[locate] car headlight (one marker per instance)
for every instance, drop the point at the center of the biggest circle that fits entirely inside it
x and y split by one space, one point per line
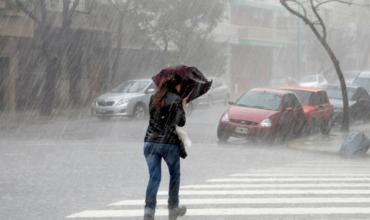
225 117
122 102
266 123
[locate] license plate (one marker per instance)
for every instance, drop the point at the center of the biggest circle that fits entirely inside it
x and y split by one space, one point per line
241 130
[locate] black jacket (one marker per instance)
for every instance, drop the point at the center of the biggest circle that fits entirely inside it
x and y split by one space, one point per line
162 123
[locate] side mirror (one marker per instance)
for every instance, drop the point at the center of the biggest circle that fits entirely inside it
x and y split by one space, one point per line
231 103
149 91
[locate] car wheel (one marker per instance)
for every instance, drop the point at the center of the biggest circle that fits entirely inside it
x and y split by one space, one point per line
222 136
139 112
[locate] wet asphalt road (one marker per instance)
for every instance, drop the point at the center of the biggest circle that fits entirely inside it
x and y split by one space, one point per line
51 169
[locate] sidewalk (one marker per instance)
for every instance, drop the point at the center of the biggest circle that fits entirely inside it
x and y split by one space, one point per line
19 118
327 144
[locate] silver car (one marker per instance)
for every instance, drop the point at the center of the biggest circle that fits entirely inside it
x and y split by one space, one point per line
219 93
130 98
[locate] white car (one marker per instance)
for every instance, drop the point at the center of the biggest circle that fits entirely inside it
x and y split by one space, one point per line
314 81
363 80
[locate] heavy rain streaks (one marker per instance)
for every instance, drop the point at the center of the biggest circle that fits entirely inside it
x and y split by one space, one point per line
280 134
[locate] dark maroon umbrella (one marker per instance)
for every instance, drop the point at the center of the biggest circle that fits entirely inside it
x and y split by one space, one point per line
194 82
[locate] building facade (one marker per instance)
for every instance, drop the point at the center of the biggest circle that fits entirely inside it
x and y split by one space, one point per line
258 32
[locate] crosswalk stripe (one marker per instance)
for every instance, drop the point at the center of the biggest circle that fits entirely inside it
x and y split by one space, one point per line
329 162
300 175
279 185
270 192
327 165
289 179
314 169
224 201
227 212
304 188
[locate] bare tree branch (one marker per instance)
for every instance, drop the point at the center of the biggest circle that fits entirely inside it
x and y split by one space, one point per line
303 15
346 2
322 39
319 18
299 4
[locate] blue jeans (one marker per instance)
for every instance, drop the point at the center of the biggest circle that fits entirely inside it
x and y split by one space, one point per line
153 154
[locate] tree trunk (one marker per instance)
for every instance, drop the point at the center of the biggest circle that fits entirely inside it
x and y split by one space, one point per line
48 90
118 50
333 58
74 76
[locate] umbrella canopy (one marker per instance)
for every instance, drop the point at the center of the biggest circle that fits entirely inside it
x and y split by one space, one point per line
194 83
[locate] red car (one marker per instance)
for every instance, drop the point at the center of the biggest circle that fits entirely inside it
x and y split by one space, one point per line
317 108
263 113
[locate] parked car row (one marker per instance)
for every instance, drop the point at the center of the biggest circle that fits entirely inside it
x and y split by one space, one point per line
276 114
293 110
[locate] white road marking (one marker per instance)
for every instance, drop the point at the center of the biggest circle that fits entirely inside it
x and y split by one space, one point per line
224 201
279 185
271 192
317 170
227 212
289 179
300 175
314 181
327 165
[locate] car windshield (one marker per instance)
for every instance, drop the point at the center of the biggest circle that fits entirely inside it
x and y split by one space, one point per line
260 100
363 82
131 87
336 92
303 96
311 78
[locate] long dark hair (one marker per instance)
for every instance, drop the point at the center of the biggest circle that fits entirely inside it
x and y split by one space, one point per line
167 85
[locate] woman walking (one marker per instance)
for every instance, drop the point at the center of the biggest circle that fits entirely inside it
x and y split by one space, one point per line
162 142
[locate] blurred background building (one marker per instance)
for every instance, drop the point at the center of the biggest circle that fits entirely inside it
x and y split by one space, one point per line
257 40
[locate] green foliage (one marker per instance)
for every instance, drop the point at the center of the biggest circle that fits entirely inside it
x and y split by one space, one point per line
183 27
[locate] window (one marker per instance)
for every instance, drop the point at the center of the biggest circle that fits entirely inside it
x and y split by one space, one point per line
303 96
290 101
260 100
319 98
152 86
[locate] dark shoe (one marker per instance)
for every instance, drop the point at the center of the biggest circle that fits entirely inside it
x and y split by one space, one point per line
149 214
148 217
176 212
